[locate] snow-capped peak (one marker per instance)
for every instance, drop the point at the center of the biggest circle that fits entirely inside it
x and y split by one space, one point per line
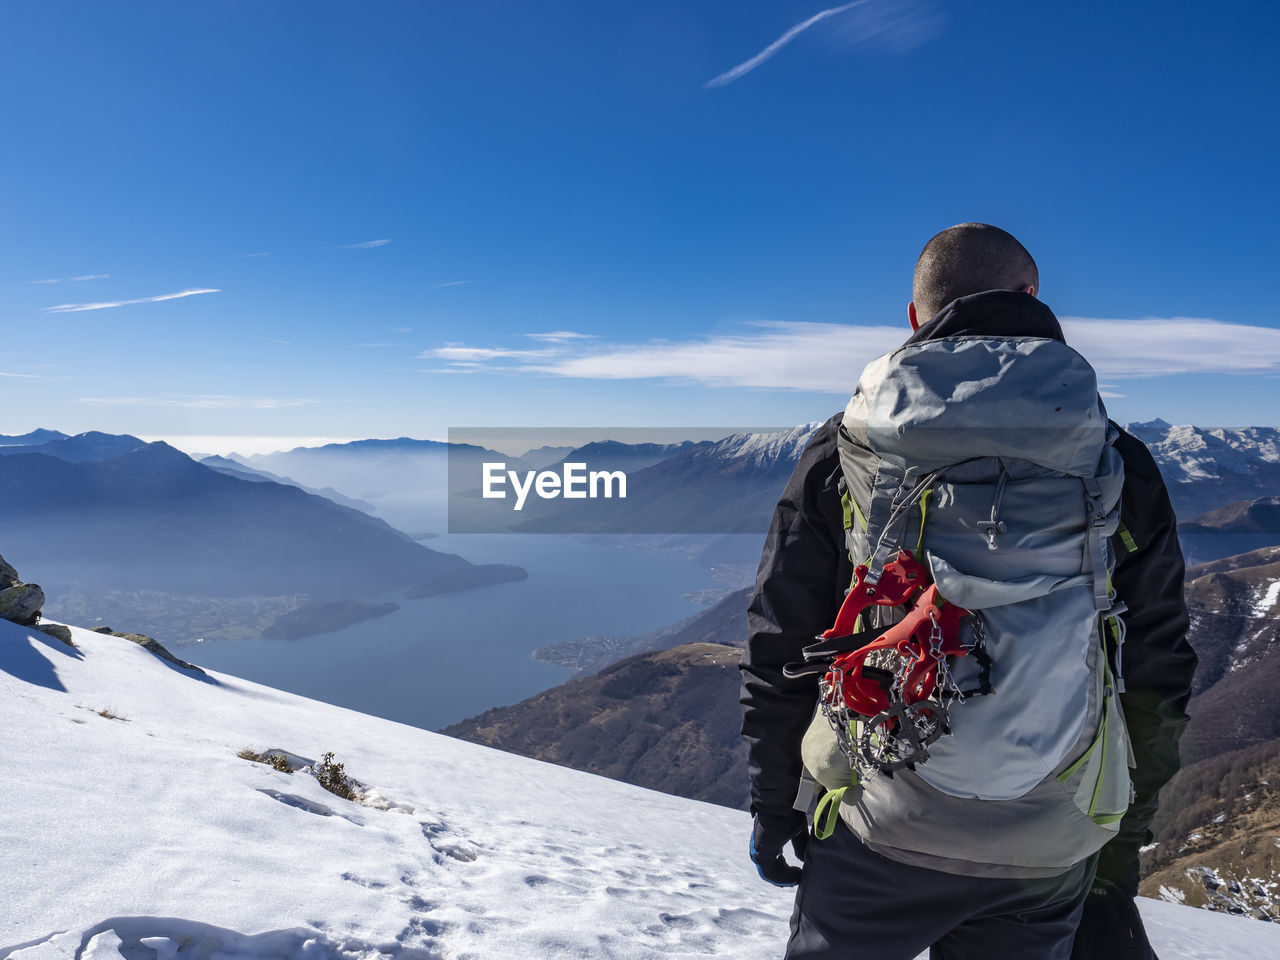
1187 452
764 449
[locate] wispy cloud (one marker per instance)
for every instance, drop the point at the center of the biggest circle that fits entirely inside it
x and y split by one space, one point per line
248 256
458 354
80 279
1154 346
560 336
366 245
827 358
897 25
453 283
21 376
211 401
283 343
767 53
108 304
772 355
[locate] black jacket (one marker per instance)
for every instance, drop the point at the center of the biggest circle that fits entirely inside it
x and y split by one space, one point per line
805 569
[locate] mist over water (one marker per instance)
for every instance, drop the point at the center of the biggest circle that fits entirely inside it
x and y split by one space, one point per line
445 658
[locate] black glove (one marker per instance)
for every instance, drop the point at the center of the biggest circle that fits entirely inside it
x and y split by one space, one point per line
1118 865
1110 927
770 834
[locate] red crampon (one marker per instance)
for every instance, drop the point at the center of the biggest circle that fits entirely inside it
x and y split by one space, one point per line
928 633
892 680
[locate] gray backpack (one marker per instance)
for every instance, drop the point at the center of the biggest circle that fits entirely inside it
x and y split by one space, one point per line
990 459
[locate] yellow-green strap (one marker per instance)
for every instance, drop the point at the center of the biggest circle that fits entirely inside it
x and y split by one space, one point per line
1113 626
846 512
1127 539
1065 775
827 813
1108 707
1103 819
924 513
857 512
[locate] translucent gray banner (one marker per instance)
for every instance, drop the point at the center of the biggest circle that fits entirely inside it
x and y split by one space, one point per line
618 479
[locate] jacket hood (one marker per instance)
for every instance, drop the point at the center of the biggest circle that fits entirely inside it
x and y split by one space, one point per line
995 313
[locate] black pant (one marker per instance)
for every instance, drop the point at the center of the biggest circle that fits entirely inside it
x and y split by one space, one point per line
853 904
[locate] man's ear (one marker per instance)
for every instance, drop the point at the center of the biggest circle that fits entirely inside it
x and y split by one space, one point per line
911 315
1031 289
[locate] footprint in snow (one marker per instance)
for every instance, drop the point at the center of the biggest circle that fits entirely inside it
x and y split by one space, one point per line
415 902
455 848
538 880
173 938
459 850
362 882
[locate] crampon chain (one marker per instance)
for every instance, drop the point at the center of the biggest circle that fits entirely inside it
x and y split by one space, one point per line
899 687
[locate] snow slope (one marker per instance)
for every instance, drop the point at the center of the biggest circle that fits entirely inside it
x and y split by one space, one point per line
145 836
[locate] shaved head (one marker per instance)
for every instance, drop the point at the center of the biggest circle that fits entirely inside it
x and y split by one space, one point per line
969 258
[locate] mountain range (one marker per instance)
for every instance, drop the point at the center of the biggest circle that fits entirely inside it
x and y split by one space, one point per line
404 480
731 486
726 486
1206 468
237 469
723 486
96 514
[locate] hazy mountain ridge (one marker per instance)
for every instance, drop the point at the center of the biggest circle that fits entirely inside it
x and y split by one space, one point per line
155 522
237 469
406 480
92 445
713 487
723 486
39 435
731 485
617 455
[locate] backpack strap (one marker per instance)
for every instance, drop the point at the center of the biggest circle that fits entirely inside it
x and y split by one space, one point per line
888 516
1096 547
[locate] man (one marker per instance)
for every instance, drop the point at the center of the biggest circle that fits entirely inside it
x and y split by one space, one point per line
860 897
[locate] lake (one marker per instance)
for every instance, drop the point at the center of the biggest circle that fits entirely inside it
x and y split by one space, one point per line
442 659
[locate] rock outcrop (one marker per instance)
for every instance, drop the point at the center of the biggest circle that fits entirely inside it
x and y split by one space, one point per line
58 632
19 602
151 644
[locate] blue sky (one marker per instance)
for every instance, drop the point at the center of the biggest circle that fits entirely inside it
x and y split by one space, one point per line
418 215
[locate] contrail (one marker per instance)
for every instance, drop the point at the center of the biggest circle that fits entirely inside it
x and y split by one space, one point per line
107 305
748 65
